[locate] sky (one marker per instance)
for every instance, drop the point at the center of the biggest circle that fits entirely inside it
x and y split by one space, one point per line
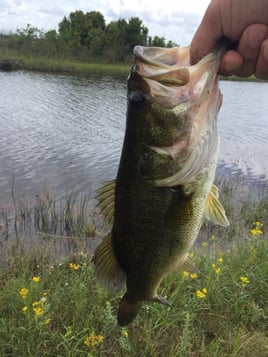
175 20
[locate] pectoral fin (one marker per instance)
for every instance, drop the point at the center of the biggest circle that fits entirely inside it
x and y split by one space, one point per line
105 196
107 270
214 210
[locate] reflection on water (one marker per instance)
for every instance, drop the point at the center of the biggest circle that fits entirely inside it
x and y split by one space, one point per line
243 126
59 132
64 133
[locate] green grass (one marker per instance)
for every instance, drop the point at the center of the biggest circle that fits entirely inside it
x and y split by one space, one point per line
230 320
66 313
46 64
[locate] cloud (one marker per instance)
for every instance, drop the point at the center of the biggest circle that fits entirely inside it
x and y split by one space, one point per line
172 19
52 10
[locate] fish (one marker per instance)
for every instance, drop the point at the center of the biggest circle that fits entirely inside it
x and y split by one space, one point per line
164 187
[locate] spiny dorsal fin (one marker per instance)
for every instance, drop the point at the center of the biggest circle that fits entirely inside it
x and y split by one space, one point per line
188 265
105 196
214 210
107 270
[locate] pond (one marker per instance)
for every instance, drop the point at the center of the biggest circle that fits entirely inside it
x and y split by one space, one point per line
63 133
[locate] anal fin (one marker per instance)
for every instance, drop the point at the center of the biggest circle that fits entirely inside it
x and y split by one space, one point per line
188 265
107 270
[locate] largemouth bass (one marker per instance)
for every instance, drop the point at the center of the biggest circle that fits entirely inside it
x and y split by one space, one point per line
164 185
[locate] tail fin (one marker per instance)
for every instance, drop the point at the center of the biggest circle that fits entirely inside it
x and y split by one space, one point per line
128 310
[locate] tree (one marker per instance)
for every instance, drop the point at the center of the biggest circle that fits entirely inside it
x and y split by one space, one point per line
95 20
96 42
30 32
136 33
116 37
77 27
158 41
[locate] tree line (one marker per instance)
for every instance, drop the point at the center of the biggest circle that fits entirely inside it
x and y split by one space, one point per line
85 36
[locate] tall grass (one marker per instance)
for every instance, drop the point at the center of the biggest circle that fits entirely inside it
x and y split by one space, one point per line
52 306
60 65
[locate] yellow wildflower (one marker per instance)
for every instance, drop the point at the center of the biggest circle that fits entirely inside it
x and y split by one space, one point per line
36 279
201 294
35 303
244 280
257 224
24 309
23 293
185 274
193 276
47 321
255 231
93 340
125 333
217 270
73 266
38 311
220 260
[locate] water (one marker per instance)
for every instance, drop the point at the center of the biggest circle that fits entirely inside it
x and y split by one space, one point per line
243 127
64 133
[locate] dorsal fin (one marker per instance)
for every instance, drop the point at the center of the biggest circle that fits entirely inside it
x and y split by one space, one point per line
105 196
107 270
214 210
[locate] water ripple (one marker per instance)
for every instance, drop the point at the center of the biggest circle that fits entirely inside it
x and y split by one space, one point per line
65 132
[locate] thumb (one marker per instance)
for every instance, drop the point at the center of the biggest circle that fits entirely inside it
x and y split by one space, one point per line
207 34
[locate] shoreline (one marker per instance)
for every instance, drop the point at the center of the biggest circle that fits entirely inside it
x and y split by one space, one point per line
53 65
58 65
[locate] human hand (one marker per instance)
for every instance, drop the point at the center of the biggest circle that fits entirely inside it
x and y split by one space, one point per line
245 26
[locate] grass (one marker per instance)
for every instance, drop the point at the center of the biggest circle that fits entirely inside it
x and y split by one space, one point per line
47 64
54 307
250 78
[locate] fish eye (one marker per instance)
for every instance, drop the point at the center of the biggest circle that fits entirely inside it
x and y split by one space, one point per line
137 99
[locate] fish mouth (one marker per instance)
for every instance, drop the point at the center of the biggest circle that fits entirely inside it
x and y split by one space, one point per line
169 77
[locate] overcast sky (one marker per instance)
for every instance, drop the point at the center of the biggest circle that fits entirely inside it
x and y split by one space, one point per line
175 20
